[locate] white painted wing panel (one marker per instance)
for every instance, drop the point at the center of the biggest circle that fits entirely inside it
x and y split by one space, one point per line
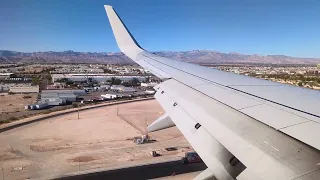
273 117
265 151
298 113
308 132
248 175
213 75
164 101
314 175
299 98
211 151
159 73
192 80
229 97
205 145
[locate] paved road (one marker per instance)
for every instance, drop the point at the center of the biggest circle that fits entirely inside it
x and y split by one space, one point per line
141 172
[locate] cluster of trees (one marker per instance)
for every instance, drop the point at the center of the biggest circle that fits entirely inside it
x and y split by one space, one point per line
297 77
35 80
114 81
117 81
109 71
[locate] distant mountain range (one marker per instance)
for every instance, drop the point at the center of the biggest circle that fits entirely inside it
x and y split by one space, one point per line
194 56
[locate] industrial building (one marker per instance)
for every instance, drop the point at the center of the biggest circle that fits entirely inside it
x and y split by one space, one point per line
93 77
77 92
53 101
4 88
37 106
148 84
109 96
5 75
69 97
121 88
60 97
24 89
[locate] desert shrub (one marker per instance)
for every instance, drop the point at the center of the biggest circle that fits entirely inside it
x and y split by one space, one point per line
26 97
13 118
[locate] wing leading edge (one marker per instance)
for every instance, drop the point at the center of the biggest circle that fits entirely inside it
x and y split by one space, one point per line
235 118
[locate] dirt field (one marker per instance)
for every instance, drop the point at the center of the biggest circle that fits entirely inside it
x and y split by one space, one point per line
101 138
15 102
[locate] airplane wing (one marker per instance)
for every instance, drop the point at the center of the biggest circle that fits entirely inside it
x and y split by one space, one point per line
242 127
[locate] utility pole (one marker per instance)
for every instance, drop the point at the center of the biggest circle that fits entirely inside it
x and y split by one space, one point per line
118 110
79 164
5 114
78 111
146 121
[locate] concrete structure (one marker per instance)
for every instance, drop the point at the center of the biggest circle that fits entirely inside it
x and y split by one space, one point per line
60 97
121 88
109 96
148 84
24 89
56 85
123 95
4 88
128 90
41 105
76 92
53 101
37 106
117 87
69 97
105 87
5 75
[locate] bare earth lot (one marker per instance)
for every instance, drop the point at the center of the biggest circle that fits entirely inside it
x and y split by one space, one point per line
15 102
101 138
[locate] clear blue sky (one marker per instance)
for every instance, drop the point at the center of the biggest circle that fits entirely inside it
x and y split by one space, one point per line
285 27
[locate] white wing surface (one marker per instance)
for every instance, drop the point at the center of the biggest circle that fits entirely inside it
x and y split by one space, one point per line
242 127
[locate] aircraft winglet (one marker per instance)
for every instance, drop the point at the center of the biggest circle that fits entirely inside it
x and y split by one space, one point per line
126 42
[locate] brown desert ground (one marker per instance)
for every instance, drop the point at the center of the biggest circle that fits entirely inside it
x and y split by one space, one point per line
15 102
101 138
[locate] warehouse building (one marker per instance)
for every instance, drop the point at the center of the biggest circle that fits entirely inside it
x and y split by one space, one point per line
121 88
93 77
53 101
4 88
37 106
148 84
77 92
24 89
5 75
60 97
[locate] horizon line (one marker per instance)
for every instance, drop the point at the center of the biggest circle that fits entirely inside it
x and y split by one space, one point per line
167 51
